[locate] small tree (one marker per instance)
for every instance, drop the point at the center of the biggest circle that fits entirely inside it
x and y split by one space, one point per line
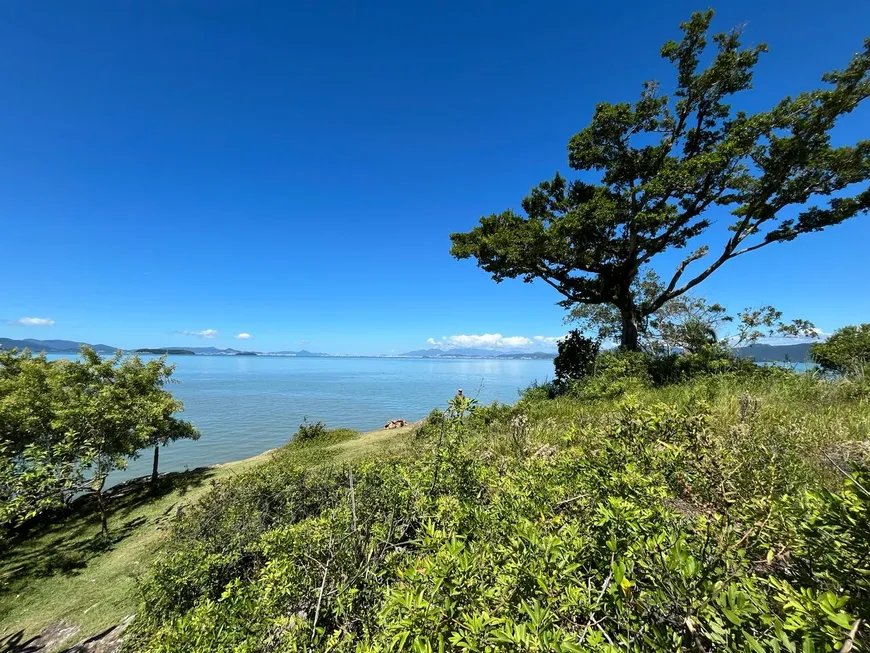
576 357
665 163
157 425
846 351
753 324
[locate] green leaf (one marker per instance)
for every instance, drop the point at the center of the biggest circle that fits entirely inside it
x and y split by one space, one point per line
733 618
753 643
841 619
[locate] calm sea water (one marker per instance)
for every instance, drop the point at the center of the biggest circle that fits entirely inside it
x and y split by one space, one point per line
244 405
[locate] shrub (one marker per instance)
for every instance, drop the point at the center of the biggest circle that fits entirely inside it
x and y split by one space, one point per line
308 432
691 517
539 390
846 352
576 358
431 426
708 359
615 373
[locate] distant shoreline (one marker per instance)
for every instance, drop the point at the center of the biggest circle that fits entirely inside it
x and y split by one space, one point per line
798 352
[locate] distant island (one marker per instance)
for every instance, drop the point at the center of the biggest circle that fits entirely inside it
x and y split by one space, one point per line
215 351
795 353
477 353
761 353
167 351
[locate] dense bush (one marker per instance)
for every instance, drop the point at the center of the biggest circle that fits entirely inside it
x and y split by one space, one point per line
576 357
711 358
615 373
432 424
308 431
702 516
847 351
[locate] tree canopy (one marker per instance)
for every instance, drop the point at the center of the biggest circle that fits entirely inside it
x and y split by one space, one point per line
847 351
65 424
664 163
688 322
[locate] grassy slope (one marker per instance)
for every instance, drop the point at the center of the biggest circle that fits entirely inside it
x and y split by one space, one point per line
64 572
543 475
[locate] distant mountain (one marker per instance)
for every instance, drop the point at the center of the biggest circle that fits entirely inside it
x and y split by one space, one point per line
170 351
214 351
53 346
72 347
796 353
205 350
476 353
537 355
449 353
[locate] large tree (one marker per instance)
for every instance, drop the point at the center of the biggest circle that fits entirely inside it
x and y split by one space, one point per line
666 162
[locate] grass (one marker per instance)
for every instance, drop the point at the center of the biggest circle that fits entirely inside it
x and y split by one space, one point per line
391 441
63 572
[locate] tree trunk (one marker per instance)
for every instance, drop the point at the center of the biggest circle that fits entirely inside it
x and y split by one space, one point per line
104 522
630 329
154 467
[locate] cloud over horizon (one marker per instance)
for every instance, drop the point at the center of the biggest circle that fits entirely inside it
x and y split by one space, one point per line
244 336
31 321
205 333
492 341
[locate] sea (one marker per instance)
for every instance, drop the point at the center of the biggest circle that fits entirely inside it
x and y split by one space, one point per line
244 405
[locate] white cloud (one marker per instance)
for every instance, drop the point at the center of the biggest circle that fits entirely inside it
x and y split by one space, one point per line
31 321
206 333
244 336
491 341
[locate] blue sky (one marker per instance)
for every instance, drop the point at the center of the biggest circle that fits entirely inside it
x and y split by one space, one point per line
293 170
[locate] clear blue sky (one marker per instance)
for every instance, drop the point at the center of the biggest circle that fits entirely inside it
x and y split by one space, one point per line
293 170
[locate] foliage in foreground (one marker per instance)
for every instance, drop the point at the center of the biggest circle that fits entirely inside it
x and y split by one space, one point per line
66 424
847 351
729 513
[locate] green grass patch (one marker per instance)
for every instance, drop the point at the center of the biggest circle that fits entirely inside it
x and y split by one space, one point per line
64 571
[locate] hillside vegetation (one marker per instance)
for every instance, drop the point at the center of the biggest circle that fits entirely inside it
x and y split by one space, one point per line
726 512
59 577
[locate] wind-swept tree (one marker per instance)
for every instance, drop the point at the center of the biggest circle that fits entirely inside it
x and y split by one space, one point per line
665 163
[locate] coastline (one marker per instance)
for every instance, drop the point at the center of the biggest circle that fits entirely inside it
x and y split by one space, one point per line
66 608
363 442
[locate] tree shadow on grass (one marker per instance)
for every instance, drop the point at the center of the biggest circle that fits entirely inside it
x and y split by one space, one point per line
66 541
15 643
51 636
